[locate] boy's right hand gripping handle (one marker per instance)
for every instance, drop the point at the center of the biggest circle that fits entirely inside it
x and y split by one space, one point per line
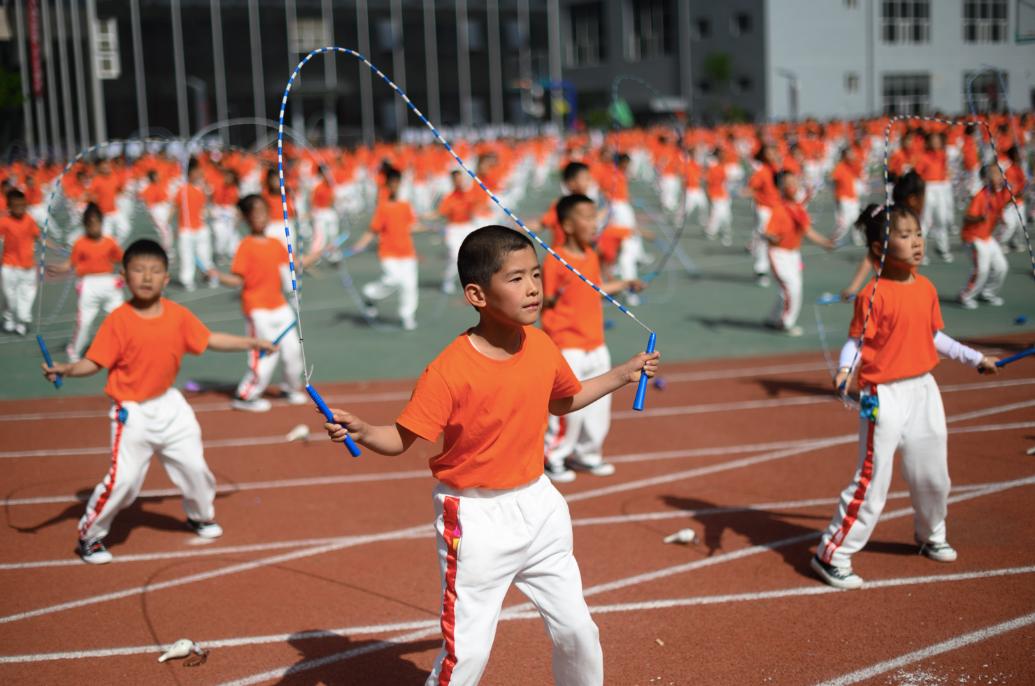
48 359
326 412
641 389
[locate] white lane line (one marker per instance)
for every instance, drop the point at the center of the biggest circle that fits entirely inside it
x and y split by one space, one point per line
334 658
209 551
961 641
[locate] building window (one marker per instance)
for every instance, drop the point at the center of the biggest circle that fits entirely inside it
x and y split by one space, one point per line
740 23
106 58
742 84
702 28
851 4
704 87
907 93
851 82
586 45
310 34
652 24
906 21
985 91
984 21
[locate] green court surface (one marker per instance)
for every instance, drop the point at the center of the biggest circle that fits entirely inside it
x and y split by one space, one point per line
716 313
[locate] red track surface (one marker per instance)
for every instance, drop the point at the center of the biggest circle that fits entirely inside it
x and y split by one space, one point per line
725 434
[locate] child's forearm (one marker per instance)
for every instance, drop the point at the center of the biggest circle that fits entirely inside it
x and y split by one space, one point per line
84 367
228 342
386 439
231 280
592 390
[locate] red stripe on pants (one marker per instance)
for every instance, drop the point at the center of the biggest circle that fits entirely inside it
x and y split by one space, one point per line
253 366
112 473
451 532
865 474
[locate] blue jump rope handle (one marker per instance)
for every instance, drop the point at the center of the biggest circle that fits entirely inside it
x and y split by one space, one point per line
280 337
326 412
48 359
1013 358
641 389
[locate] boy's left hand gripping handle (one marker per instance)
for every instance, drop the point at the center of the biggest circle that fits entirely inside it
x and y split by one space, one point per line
48 359
326 412
641 389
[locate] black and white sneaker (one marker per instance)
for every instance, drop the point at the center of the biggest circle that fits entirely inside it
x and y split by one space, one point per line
596 469
93 552
559 474
205 529
838 577
939 552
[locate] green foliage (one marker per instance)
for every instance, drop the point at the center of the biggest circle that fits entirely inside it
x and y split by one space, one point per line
718 68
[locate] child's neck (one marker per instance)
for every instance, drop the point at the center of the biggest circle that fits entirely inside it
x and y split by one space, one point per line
894 270
148 309
571 244
496 339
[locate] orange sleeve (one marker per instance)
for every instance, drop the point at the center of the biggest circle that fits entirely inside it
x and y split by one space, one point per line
551 277
377 222
116 252
106 344
976 208
937 323
565 384
195 334
862 303
429 408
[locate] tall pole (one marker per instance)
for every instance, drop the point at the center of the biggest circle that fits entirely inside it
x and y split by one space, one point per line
553 26
218 67
23 66
495 64
179 69
398 64
330 79
138 68
291 19
463 63
80 83
431 61
66 86
100 117
48 55
258 92
37 78
686 69
366 88
525 52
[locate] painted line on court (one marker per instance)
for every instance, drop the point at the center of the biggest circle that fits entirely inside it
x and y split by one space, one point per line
961 641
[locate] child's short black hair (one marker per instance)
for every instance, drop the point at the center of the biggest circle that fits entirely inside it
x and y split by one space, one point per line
567 204
14 194
144 247
92 211
571 170
247 203
483 251
778 177
392 174
909 184
874 220
192 164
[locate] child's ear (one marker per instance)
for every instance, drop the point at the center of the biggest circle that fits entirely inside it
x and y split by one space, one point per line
475 295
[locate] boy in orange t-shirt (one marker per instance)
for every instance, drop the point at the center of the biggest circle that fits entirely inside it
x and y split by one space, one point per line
392 224
104 190
194 245
499 519
259 269
573 318
983 214
720 211
19 234
141 344
456 209
901 403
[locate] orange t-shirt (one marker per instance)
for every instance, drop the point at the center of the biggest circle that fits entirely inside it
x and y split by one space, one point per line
189 202
143 355
154 194
19 237
763 185
988 205
492 412
716 182
788 222
456 207
391 222
933 166
323 196
91 256
577 318
225 194
104 189
899 341
844 182
258 261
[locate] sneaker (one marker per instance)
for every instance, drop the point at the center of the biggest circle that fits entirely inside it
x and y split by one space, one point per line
939 552
297 398
632 300
969 303
93 552
598 469
993 300
20 329
205 529
257 405
559 474
409 324
8 326
726 242
794 331
947 257
838 577
762 281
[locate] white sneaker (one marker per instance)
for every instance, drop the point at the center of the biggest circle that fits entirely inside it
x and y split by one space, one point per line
993 300
939 552
762 281
794 332
93 552
409 324
559 474
968 303
838 577
370 312
8 326
947 257
297 398
20 329
205 529
598 469
257 405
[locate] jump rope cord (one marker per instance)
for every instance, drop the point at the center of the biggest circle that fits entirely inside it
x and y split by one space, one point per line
887 216
449 148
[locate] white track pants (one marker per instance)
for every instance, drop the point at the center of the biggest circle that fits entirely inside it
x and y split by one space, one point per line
845 214
787 266
397 274
19 293
720 220
912 420
269 324
1010 227
581 434
160 213
759 245
488 540
224 231
97 293
696 201
938 214
194 247
116 225
455 235
669 188
165 425
989 271
325 228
